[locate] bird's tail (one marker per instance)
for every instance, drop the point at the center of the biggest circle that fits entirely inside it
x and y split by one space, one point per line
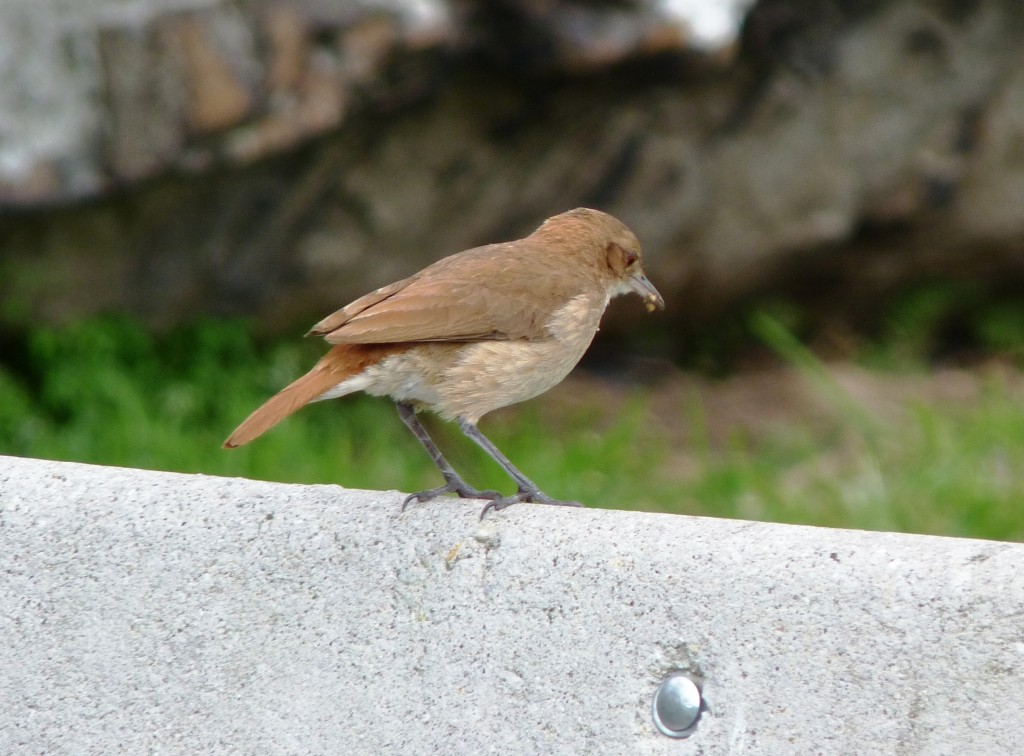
339 364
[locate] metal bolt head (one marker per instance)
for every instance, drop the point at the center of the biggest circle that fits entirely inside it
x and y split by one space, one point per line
676 706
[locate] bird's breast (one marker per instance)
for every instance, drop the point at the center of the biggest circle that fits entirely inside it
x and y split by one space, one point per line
493 374
575 323
470 379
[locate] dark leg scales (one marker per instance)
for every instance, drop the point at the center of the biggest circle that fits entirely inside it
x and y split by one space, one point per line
452 482
525 495
455 486
528 490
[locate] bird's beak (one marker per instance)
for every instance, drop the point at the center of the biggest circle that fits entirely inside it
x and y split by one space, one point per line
652 299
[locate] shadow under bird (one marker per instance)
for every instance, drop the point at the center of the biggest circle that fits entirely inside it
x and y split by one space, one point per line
473 332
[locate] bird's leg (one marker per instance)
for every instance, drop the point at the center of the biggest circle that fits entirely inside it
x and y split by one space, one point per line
528 490
453 483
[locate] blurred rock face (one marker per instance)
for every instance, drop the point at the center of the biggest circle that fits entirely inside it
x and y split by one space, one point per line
280 157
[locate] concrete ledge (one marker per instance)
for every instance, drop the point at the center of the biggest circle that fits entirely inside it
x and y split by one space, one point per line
152 612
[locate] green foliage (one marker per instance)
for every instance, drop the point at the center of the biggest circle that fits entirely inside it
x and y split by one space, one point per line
106 391
952 470
1000 329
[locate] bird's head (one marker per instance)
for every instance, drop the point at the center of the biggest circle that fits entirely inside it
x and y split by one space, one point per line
619 259
625 260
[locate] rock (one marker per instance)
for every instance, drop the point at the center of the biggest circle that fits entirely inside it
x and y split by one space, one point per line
281 157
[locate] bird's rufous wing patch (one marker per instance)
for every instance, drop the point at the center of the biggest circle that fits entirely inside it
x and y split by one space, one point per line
453 300
439 310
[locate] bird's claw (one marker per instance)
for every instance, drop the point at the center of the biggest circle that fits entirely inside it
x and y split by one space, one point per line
496 502
534 496
459 487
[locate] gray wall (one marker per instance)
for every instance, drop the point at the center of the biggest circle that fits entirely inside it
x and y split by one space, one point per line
154 612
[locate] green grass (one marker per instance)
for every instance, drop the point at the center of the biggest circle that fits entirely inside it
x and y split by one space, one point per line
941 470
105 391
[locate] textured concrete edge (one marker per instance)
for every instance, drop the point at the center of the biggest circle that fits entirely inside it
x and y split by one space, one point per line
188 613
386 505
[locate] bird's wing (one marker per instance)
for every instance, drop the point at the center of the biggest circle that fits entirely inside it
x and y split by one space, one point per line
340 317
453 301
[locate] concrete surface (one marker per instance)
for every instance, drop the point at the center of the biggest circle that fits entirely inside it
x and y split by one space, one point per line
145 612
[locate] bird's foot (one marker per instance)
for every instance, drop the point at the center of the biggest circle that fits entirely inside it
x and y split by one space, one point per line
455 486
533 495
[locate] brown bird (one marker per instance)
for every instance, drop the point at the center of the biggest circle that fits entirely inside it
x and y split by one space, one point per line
473 332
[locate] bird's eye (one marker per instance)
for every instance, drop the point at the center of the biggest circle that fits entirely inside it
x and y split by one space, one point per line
620 258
